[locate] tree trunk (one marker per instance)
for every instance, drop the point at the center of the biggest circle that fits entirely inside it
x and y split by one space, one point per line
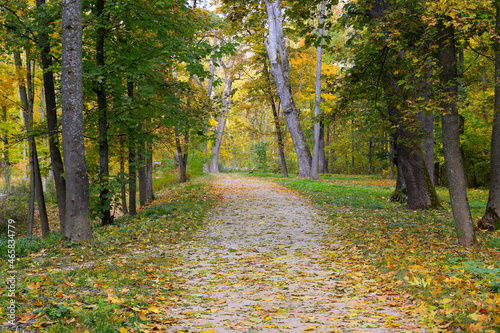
182 153
123 186
370 156
280 70
51 112
317 102
75 166
206 166
226 98
132 163
6 160
141 171
427 121
36 187
491 219
279 137
421 193
323 162
42 210
451 136
132 178
150 196
399 194
31 204
102 107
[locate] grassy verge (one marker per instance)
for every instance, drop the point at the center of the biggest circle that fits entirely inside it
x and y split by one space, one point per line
115 283
455 289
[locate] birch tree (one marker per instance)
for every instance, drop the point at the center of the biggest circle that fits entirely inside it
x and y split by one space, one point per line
280 70
317 103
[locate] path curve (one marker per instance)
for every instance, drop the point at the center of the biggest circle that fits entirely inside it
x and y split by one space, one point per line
261 265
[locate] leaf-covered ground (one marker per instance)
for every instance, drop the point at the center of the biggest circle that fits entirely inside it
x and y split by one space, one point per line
456 289
264 259
266 263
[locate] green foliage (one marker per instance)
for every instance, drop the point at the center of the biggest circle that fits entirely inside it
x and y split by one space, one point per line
15 206
196 161
29 245
113 197
260 150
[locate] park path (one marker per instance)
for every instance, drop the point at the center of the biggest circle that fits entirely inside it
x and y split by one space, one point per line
264 264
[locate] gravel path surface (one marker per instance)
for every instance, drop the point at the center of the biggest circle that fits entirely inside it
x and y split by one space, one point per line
265 264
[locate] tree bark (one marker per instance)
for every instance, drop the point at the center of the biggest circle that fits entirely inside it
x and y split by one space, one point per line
132 178
278 58
279 137
317 102
77 181
182 153
226 98
451 137
420 190
6 159
102 108
399 194
141 171
150 196
132 162
51 113
491 219
427 121
123 186
323 162
277 124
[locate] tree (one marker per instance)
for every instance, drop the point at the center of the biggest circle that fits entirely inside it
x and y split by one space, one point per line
317 104
278 58
26 94
491 218
409 131
75 165
102 107
221 120
51 114
451 136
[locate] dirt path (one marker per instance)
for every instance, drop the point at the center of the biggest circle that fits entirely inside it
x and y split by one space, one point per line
262 265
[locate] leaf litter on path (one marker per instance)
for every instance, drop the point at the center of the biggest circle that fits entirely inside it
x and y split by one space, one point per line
266 262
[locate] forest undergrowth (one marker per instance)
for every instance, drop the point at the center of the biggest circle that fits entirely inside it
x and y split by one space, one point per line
455 289
113 284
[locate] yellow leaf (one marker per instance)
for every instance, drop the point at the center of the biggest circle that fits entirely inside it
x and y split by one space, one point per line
123 330
268 318
474 316
154 309
311 328
142 315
